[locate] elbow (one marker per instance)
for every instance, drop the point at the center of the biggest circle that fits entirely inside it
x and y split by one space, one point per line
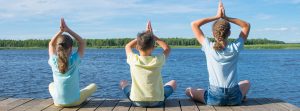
167 49
83 43
193 24
247 25
127 46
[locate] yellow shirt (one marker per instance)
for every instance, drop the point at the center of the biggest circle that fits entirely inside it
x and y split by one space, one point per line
146 78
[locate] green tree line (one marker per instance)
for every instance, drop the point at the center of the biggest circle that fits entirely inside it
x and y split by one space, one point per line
120 42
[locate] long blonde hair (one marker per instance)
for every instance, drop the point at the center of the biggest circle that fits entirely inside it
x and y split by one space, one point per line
221 31
64 43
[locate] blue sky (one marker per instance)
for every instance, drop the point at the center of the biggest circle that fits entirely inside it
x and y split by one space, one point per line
39 19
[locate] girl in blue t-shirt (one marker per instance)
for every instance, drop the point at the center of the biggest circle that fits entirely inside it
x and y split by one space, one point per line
65 89
222 57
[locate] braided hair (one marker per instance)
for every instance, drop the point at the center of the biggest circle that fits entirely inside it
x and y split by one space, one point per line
221 31
64 43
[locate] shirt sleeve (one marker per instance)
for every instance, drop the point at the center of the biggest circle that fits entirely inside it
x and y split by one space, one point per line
76 58
130 58
205 45
52 60
239 43
160 60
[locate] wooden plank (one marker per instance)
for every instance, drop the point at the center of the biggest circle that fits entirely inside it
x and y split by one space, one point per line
188 105
27 105
172 105
3 104
159 108
252 104
107 105
1 99
269 105
223 108
14 103
92 105
123 105
249 105
204 107
42 105
53 108
136 108
283 104
75 108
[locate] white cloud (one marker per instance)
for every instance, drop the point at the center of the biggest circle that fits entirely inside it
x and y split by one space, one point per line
288 34
27 8
279 29
283 1
295 1
90 10
89 18
263 17
276 29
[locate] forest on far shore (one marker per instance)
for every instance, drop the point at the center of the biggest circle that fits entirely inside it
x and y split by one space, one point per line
121 42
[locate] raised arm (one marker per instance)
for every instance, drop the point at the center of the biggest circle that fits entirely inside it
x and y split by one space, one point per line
163 45
160 42
197 30
129 46
52 43
198 23
80 41
245 27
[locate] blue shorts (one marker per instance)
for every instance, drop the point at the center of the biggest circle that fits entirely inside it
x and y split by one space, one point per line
223 96
168 90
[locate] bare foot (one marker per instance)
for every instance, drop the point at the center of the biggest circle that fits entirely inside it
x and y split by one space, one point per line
123 84
188 92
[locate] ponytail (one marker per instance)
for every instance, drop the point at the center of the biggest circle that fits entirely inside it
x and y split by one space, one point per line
220 43
221 31
62 59
64 43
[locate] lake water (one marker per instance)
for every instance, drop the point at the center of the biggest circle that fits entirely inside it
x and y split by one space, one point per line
273 73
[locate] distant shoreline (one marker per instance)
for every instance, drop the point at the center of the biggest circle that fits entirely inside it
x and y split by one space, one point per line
257 46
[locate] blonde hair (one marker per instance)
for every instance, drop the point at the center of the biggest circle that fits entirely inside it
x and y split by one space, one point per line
221 31
64 43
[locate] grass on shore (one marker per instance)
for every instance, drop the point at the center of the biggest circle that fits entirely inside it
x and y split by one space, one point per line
257 46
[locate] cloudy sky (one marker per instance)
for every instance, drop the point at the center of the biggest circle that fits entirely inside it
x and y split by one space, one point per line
39 19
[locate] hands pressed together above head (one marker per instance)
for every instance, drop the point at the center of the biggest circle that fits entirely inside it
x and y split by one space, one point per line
221 11
63 26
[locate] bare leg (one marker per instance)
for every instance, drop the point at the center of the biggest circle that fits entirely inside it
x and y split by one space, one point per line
244 87
195 94
51 88
123 84
172 83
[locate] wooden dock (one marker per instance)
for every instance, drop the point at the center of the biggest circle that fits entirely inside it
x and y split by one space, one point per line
96 104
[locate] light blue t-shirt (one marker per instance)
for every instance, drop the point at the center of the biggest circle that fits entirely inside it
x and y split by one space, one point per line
66 85
222 65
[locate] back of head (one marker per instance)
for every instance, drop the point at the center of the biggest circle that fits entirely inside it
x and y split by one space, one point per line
221 31
63 46
145 41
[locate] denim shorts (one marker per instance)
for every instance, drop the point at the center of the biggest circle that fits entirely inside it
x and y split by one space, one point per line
223 96
168 90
